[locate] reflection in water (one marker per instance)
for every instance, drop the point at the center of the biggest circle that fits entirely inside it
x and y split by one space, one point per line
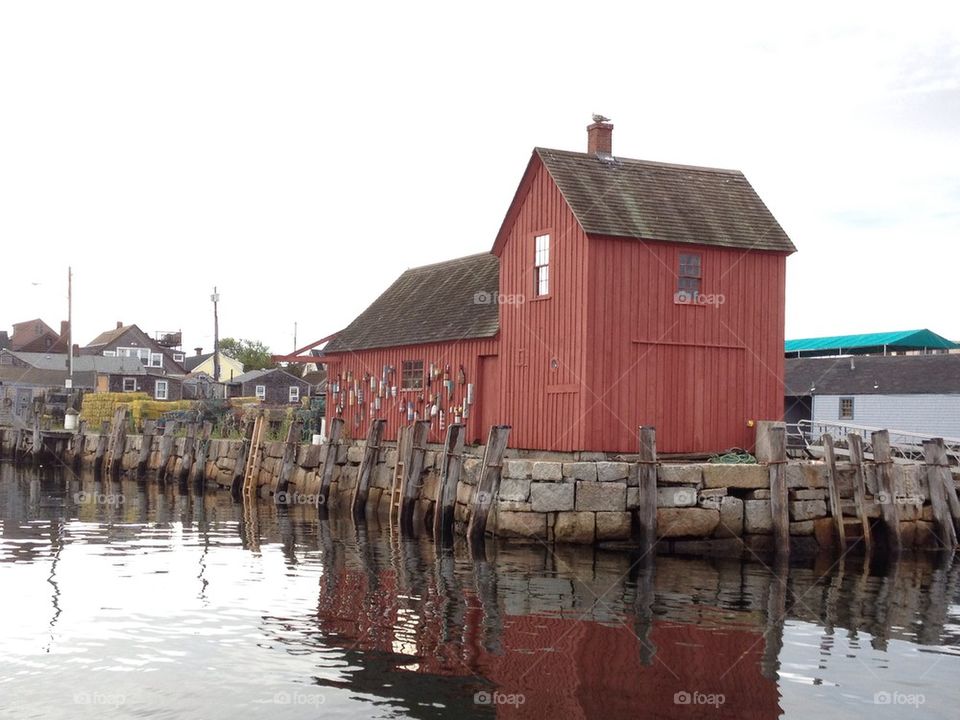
156 601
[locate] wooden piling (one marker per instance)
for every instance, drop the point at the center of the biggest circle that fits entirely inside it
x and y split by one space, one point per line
102 442
77 445
940 482
240 465
288 461
412 472
202 452
836 509
488 483
362 489
779 507
950 487
118 441
451 463
855 446
886 488
166 449
332 447
36 451
186 460
647 475
146 446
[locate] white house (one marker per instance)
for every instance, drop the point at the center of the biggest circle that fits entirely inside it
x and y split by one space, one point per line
913 393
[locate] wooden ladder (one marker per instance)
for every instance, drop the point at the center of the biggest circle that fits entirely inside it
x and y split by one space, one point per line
396 488
253 458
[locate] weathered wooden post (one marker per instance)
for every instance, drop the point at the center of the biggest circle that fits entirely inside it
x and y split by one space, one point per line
370 453
647 476
101 451
77 445
332 447
166 449
940 482
451 463
118 441
886 488
146 445
836 509
202 450
779 507
288 460
412 471
186 460
240 465
488 483
855 445
37 449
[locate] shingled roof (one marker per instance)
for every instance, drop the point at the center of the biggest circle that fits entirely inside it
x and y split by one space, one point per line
660 201
873 375
450 300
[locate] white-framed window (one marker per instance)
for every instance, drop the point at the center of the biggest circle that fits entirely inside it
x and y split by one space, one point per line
846 408
689 275
129 384
179 357
161 390
6 359
261 392
142 353
109 353
411 375
294 393
541 265
156 360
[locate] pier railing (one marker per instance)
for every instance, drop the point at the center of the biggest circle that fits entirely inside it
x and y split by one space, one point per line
904 444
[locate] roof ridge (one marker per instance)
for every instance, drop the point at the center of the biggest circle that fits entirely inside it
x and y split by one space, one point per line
450 261
640 161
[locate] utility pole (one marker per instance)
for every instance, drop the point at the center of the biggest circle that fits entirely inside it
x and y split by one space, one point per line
69 326
294 335
216 337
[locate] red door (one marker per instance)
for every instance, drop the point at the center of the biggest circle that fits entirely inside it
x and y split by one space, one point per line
488 393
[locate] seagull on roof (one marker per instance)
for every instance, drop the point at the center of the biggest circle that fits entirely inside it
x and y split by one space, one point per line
597 117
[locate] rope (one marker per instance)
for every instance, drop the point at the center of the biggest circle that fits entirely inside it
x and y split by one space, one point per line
734 456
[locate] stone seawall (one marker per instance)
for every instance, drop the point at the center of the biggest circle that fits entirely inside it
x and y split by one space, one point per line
568 499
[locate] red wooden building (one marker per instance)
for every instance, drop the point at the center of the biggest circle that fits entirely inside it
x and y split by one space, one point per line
617 293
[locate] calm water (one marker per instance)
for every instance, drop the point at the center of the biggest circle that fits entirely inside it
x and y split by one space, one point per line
125 600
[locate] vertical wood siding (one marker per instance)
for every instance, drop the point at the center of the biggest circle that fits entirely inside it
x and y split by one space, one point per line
364 362
698 373
544 404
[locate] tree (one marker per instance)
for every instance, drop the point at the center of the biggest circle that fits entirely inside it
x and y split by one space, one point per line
252 353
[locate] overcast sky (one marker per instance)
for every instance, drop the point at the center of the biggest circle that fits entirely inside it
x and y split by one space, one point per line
300 155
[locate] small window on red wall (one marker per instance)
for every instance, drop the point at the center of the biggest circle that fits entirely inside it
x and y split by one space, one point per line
411 377
689 274
541 266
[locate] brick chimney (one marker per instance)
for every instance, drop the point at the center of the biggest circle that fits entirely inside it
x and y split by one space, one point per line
119 324
600 138
76 350
199 350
